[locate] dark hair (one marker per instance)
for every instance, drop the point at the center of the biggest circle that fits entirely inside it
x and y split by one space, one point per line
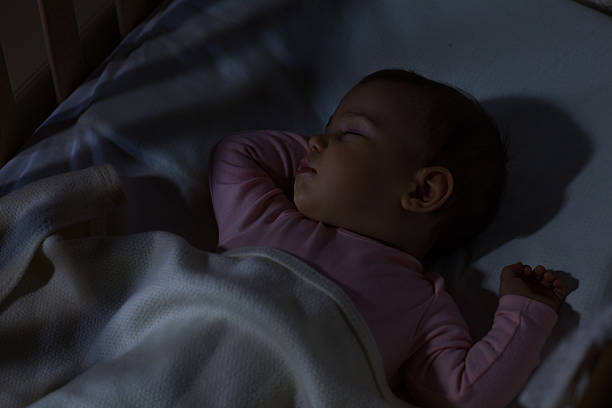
463 138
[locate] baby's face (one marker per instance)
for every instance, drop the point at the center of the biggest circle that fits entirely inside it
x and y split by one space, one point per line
365 160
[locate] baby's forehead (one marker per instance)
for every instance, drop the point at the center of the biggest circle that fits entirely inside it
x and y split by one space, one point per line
388 94
397 103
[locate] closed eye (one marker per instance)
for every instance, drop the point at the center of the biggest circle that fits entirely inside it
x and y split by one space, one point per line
349 137
346 136
351 133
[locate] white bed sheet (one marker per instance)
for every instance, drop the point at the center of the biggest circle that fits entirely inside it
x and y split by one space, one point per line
200 70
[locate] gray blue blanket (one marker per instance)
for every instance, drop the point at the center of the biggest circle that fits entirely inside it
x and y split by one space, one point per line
147 320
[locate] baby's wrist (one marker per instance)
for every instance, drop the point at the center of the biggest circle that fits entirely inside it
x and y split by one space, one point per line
521 300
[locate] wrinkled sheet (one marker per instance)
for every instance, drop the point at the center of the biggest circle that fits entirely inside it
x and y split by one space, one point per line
147 320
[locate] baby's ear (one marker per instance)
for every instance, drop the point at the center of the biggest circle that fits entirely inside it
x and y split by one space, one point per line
431 188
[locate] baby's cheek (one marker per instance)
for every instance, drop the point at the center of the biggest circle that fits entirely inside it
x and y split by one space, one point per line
357 181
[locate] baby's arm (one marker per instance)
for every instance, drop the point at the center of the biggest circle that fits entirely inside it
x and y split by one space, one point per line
449 367
250 174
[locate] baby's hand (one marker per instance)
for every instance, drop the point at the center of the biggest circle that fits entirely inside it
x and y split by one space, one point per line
538 284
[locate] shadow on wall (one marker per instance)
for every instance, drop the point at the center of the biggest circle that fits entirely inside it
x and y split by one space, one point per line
546 151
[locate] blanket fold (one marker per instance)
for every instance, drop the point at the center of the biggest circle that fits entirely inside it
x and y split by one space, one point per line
34 211
148 320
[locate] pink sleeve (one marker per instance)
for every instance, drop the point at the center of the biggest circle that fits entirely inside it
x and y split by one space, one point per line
449 367
251 178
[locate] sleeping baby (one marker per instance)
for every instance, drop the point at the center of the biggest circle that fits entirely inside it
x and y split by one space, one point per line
406 169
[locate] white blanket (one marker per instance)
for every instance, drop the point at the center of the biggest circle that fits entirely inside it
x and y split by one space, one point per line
147 320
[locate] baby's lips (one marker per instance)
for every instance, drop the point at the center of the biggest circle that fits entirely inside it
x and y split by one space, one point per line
305 164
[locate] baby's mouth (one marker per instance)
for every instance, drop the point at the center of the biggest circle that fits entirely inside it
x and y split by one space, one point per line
303 168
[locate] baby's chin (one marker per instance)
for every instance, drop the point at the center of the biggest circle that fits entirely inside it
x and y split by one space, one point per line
298 201
306 209
309 209
299 205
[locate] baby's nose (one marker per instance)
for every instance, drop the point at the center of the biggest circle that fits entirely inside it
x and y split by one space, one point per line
317 143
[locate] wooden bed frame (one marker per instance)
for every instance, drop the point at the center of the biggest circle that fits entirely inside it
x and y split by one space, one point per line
68 69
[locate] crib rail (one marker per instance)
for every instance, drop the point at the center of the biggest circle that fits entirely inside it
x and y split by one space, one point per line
129 14
63 45
9 130
65 58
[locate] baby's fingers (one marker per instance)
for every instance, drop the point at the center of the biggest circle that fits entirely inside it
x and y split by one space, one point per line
512 270
548 278
559 289
539 272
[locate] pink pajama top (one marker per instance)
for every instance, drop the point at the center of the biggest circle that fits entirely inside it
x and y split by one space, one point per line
425 344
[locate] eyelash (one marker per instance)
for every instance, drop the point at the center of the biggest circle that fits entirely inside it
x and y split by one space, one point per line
341 134
350 133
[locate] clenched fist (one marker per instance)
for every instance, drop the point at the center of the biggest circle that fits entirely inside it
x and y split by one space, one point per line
537 284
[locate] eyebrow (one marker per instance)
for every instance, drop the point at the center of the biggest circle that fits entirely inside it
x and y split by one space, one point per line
371 122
